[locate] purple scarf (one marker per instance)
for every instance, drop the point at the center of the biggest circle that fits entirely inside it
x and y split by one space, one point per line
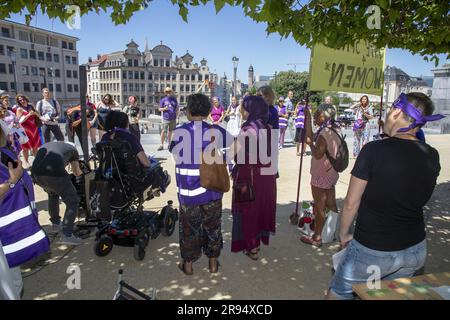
403 104
258 111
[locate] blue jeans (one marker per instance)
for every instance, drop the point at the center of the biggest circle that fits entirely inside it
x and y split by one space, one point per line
354 267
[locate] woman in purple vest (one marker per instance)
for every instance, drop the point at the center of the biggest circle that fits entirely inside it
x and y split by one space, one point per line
200 208
299 115
254 220
283 120
21 237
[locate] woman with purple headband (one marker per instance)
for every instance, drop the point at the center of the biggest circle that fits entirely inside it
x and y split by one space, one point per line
391 182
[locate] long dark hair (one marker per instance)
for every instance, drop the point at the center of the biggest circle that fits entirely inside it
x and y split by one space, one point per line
111 101
360 100
19 105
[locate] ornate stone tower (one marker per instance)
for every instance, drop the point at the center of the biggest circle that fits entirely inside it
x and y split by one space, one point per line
251 77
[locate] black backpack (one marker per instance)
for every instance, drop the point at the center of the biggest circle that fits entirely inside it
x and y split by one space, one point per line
340 163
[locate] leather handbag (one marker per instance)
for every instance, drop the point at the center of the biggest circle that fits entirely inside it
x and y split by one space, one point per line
214 176
243 191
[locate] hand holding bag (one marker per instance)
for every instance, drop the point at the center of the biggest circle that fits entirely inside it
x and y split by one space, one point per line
359 124
214 176
243 191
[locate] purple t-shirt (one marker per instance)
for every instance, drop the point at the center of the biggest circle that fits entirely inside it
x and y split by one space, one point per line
216 113
172 104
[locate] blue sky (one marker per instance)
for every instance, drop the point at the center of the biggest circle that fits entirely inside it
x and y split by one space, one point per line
215 37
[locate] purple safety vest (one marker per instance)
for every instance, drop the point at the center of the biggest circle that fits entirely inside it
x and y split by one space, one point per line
21 235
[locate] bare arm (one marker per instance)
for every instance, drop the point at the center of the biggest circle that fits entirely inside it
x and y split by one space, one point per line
76 170
351 206
14 176
142 157
319 147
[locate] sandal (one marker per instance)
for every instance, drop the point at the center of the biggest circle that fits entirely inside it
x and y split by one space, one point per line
252 254
182 267
216 269
311 241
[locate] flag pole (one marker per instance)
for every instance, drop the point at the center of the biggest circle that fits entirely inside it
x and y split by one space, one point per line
293 219
381 114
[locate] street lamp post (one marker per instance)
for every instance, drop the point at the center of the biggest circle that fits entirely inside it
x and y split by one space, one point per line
53 83
235 66
13 60
43 73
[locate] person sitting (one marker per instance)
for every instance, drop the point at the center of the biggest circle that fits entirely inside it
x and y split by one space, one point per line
117 126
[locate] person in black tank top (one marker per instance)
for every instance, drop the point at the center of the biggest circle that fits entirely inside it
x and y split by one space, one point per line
391 182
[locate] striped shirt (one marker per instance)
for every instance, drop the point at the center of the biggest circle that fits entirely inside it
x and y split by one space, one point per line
300 118
187 170
21 235
283 122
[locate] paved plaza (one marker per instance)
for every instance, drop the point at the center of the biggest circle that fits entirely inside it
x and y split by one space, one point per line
287 269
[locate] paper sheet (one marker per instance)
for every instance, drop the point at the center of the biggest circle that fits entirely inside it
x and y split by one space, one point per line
443 291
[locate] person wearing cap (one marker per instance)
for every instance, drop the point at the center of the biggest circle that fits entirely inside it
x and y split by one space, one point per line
283 117
388 200
49 172
168 106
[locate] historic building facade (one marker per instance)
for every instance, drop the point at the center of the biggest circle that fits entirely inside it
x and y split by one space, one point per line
33 58
146 74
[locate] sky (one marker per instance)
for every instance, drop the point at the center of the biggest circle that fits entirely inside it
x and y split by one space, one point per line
206 35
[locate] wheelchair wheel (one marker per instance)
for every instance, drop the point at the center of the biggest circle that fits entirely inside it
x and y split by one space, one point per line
103 246
139 247
138 252
169 218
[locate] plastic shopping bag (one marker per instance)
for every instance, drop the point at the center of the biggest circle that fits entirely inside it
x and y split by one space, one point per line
330 227
20 134
306 219
306 223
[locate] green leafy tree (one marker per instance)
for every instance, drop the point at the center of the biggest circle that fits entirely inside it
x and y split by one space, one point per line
420 26
297 82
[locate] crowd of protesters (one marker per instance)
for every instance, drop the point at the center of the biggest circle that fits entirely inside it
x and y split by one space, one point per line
386 201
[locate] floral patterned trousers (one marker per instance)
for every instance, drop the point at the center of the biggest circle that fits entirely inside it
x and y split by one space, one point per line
201 229
361 137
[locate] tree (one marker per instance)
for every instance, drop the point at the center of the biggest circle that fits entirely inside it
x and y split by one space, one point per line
297 82
418 26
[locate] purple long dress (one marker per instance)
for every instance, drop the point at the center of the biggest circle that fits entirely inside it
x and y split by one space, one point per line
254 221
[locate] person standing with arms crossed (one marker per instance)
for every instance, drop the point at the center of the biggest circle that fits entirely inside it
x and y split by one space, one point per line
168 106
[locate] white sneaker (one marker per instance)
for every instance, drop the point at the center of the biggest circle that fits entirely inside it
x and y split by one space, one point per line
70 241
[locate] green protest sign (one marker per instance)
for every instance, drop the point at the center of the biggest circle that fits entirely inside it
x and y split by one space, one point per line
358 69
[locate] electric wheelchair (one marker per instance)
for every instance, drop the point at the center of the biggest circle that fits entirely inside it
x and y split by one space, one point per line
116 196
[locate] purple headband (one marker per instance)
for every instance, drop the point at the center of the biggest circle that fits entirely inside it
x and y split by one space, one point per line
403 104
